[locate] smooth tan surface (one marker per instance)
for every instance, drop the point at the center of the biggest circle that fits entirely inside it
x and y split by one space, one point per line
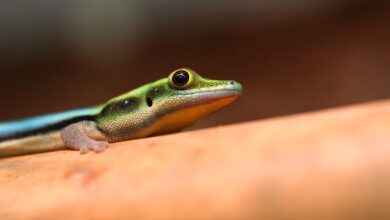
333 164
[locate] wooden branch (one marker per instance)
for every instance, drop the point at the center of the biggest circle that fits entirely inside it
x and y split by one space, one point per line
333 164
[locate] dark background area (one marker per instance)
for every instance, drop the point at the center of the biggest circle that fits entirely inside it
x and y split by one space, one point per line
290 56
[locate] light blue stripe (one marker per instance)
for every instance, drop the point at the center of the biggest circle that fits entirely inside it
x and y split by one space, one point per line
23 125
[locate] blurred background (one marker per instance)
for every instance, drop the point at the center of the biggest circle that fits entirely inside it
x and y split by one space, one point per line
291 56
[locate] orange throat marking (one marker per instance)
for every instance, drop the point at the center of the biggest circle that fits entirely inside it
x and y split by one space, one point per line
188 116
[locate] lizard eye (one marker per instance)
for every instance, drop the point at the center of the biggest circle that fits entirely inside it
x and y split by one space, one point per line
181 79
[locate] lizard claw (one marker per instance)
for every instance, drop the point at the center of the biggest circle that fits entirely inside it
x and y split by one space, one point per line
99 146
96 146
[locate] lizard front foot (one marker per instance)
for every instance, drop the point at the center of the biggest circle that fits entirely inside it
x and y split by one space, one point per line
77 137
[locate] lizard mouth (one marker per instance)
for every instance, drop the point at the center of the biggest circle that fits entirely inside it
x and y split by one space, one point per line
207 95
215 94
231 88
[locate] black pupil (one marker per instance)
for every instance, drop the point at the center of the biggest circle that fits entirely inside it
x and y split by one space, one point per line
180 78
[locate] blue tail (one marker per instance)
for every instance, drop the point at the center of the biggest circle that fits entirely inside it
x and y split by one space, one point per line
43 123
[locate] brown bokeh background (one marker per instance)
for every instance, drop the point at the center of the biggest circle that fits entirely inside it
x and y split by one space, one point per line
290 56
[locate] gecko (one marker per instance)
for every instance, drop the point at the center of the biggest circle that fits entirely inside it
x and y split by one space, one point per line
165 106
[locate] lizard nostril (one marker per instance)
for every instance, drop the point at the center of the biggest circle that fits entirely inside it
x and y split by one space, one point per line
232 82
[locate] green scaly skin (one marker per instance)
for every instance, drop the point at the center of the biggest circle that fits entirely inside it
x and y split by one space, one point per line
157 108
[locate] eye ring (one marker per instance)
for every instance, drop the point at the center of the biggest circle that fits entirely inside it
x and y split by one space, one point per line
181 79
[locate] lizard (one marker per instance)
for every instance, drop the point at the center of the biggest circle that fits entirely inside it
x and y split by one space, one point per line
165 106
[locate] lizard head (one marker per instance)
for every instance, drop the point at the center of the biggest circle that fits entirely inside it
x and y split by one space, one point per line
166 105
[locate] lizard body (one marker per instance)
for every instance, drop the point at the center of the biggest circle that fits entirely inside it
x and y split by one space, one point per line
164 106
